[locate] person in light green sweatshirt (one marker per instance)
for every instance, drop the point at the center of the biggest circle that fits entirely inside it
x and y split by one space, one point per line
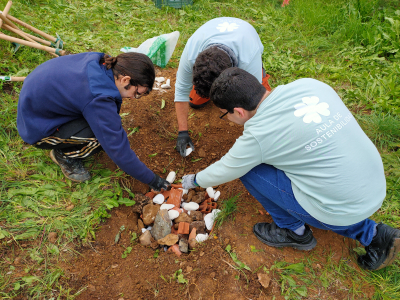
304 157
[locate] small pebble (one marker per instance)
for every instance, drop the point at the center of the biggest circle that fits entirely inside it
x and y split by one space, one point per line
171 177
210 218
210 192
191 206
216 196
188 151
201 237
168 81
159 199
165 86
167 206
184 191
173 214
160 79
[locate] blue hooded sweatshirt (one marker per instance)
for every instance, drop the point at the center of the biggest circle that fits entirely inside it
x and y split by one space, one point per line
70 87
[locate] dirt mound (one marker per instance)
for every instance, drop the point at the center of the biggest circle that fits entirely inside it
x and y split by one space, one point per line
207 272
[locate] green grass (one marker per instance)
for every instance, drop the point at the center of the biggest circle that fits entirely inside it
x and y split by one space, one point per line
228 208
354 46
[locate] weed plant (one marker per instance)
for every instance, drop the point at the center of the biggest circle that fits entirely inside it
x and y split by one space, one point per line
352 45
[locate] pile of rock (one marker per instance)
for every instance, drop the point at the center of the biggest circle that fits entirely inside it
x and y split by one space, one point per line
177 218
159 83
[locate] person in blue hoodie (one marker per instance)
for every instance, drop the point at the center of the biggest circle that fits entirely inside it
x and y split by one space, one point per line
71 105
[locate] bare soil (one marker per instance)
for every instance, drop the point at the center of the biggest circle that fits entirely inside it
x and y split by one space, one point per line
104 274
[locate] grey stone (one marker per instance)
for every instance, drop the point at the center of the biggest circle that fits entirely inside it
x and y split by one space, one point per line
162 225
146 238
183 246
199 225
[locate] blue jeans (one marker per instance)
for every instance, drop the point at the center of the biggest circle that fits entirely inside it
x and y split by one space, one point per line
273 189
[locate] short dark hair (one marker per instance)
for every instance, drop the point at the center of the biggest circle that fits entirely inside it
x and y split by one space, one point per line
236 88
137 66
208 66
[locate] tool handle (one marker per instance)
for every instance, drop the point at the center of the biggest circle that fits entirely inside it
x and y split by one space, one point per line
6 10
8 78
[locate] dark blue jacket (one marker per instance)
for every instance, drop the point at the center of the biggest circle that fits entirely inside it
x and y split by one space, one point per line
71 87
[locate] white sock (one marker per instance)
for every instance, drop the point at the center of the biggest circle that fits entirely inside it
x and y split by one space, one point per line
300 230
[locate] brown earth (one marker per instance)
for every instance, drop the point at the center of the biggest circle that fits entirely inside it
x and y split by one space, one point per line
101 273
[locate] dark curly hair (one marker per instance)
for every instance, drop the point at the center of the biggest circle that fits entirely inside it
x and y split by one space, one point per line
208 66
137 66
237 88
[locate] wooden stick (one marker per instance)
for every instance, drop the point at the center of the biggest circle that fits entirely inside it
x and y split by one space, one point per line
8 78
43 34
37 39
21 33
30 44
5 12
24 35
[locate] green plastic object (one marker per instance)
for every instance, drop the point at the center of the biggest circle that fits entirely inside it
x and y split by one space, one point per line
172 3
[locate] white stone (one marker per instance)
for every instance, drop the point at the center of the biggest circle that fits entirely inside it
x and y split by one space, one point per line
210 192
173 214
171 177
160 79
191 206
167 206
144 230
201 237
156 89
168 81
165 86
216 196
159 199
149 228
210 218
184 191
188 151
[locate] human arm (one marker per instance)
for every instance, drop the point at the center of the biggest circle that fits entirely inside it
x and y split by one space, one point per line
182 90
105 122
244 155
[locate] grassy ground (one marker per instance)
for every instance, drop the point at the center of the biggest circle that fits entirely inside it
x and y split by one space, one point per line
352 45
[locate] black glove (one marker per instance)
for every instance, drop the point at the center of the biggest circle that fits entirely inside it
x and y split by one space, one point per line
182 142
159 183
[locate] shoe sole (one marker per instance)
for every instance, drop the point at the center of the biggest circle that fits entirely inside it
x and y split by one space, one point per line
392 254
306 247
66 175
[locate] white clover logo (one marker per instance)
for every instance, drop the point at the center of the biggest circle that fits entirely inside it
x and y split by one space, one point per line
311 109
227 26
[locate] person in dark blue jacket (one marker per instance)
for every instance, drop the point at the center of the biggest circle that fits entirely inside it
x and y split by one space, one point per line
71 105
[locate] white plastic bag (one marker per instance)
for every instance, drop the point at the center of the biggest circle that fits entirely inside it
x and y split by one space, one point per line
159 48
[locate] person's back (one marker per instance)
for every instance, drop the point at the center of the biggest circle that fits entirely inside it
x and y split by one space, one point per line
58 91
304 157
305 130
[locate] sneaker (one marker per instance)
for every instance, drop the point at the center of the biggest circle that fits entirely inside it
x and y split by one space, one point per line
273 236
383 249
72 168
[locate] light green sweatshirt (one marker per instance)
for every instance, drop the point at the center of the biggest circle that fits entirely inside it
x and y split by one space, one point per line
304 129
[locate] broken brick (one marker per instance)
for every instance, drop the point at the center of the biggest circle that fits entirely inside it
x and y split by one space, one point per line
183 228
175 197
